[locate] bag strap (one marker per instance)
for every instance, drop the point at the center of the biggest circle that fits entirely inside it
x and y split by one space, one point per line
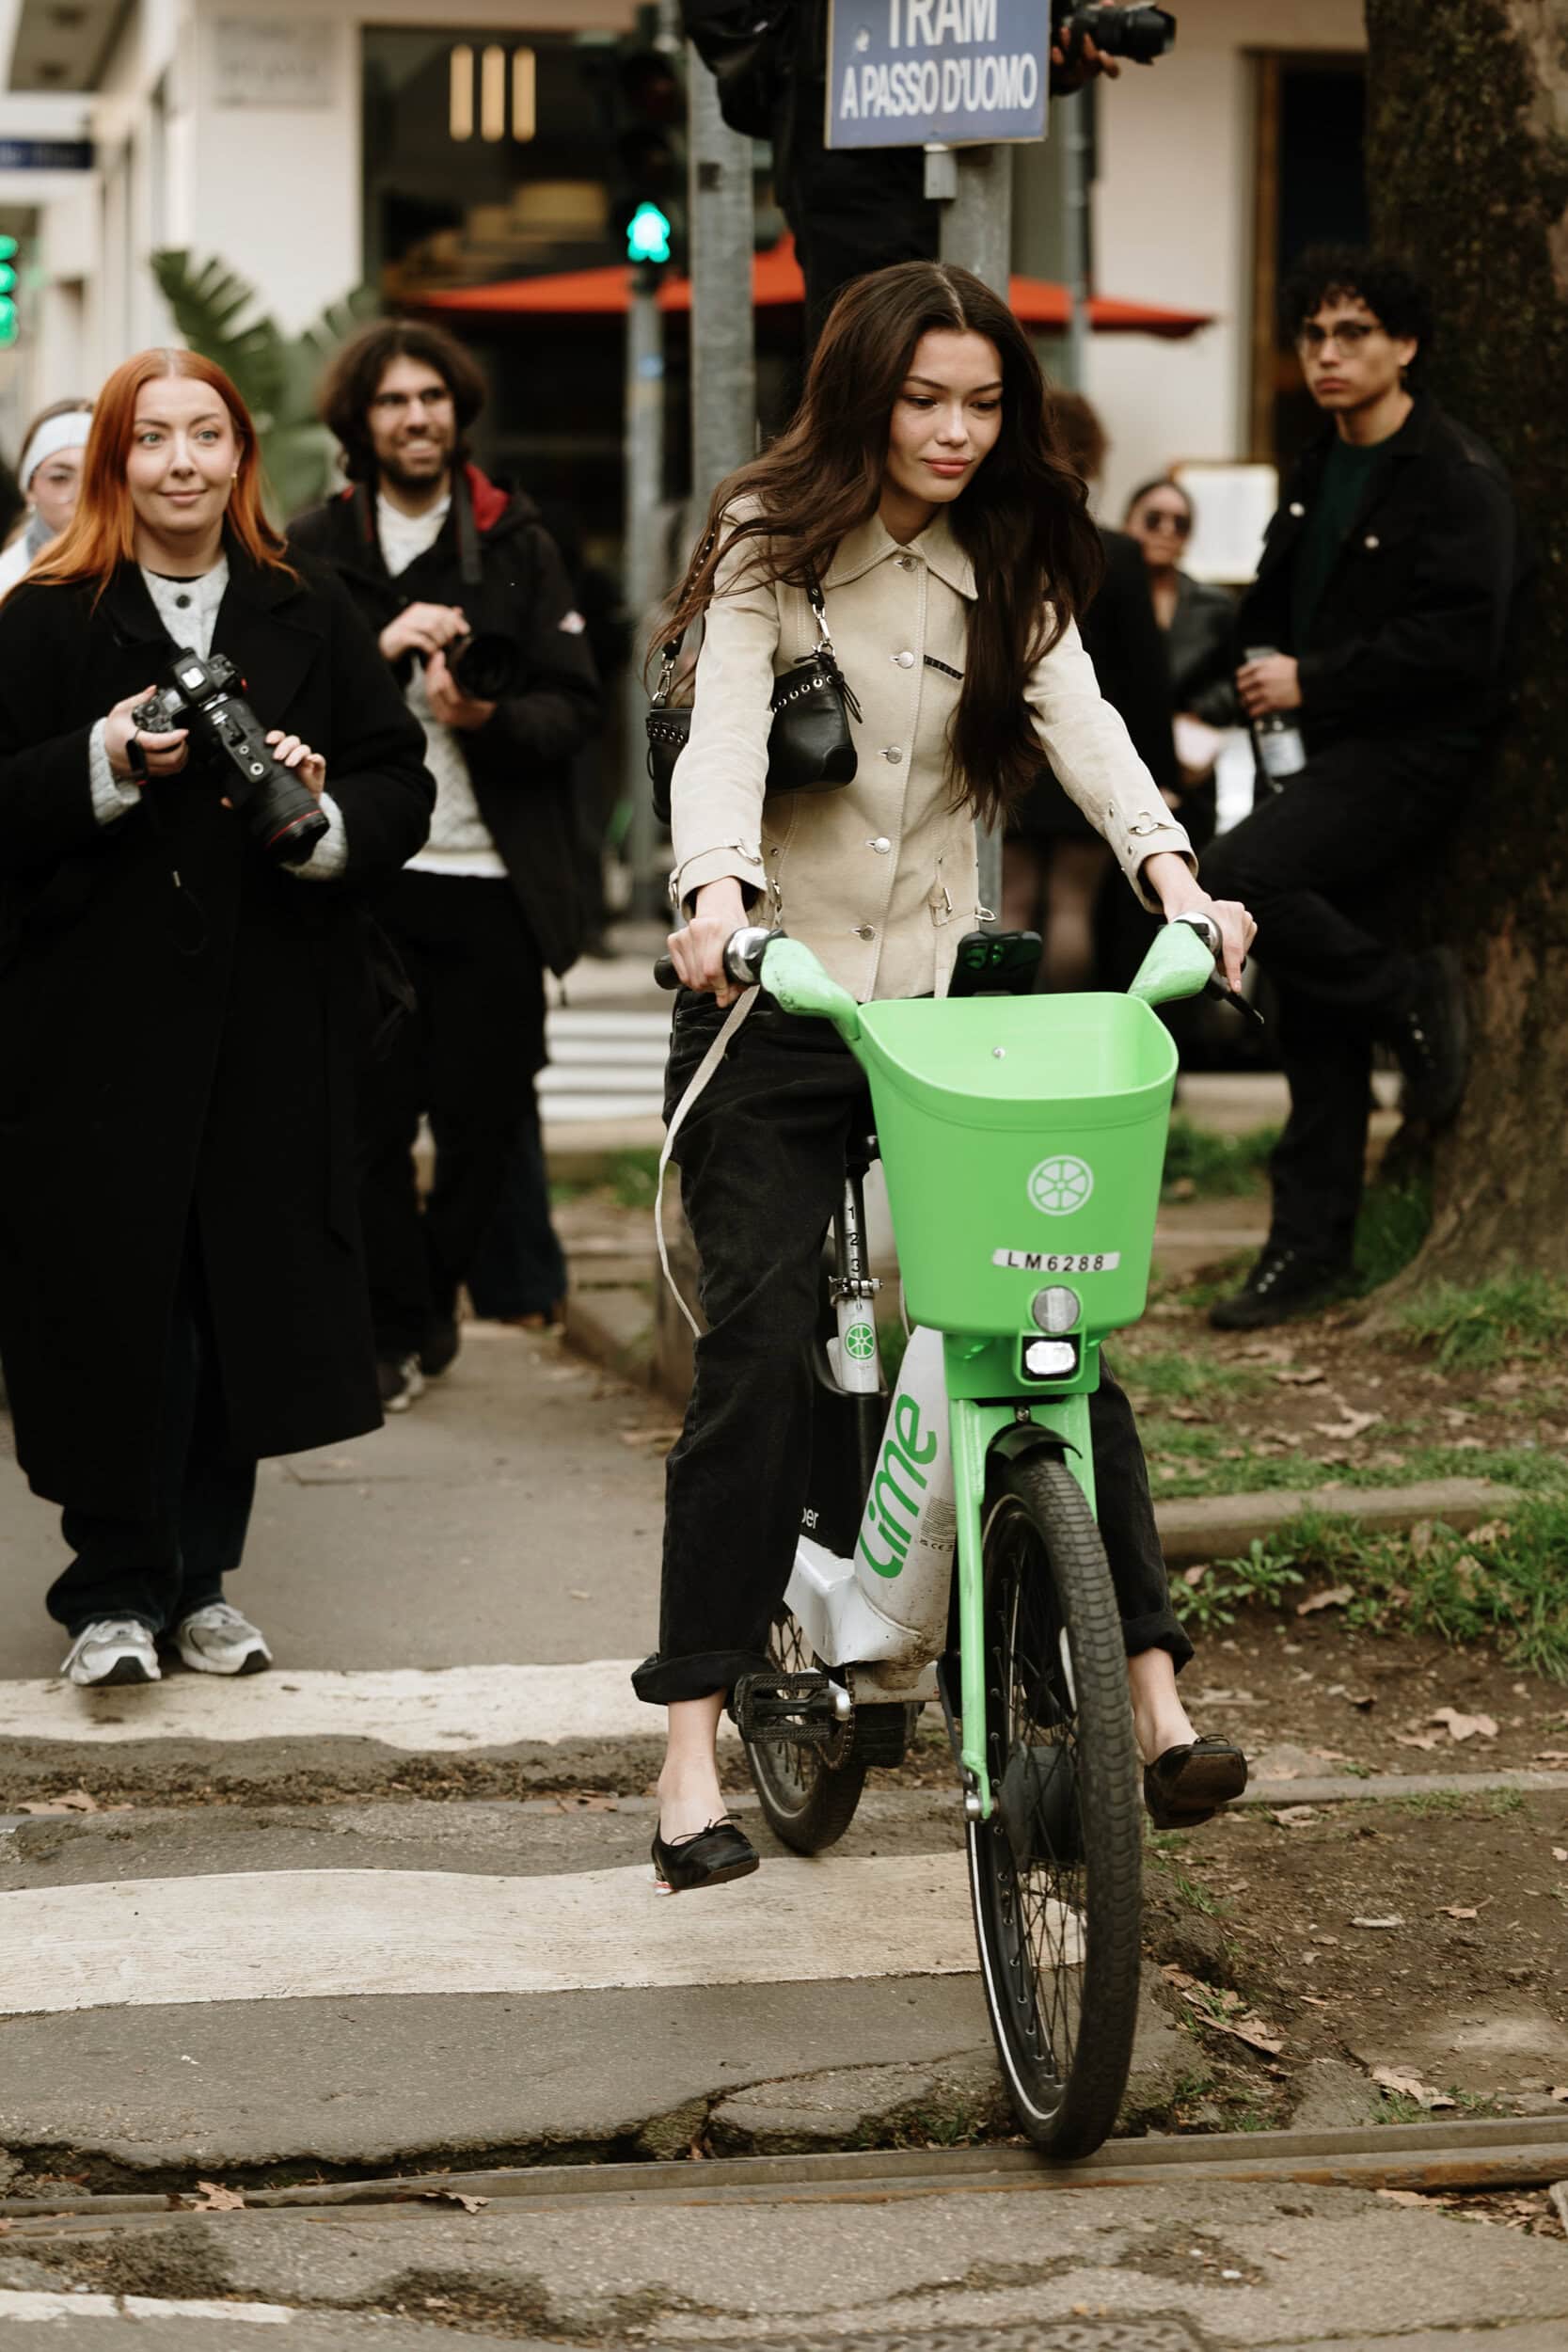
704 1072
670 652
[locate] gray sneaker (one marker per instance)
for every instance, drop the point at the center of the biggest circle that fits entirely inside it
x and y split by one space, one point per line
110 1650
217 1640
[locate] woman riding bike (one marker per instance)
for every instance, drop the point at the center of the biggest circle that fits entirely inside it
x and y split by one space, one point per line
918 486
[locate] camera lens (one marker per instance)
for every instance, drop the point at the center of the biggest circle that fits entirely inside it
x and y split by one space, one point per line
485 665
286 818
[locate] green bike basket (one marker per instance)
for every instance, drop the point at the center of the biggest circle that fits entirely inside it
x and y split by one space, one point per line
1023 1140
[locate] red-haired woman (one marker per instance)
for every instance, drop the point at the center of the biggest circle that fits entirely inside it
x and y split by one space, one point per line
180 1286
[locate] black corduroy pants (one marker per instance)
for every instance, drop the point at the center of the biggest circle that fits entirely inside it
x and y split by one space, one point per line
762 1158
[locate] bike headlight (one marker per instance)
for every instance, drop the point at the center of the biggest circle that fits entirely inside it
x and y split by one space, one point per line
1050 1359
1056 1310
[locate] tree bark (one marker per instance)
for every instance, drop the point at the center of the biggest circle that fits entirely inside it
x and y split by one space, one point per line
1468 173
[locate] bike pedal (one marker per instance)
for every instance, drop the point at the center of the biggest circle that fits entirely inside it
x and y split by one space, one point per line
806 1710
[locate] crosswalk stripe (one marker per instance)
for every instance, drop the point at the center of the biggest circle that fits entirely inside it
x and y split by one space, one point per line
408 1708
306 1934
25 2303
604 1065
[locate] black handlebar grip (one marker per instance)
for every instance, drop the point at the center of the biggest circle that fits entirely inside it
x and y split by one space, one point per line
665 974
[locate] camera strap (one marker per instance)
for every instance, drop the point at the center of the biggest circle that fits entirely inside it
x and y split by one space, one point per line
471 569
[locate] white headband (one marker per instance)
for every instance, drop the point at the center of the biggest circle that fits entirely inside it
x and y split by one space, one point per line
56 433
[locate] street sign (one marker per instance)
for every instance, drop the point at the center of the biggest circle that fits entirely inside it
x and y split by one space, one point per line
46 155
918 72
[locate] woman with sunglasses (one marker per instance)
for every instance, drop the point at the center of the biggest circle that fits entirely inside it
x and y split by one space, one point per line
1199 622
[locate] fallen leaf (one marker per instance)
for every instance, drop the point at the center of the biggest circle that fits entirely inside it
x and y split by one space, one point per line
1350 1425
1495 1532
1459 1911
1337 1596
1426 1740
1188 1412
1411 2087
1402 2196
1294 1816
1393 1921
1421 1538
212 2197
1550 1755
1559 2091
1305 1380
1316 2002
1560 1853
73 1801
1196 1575
1255 2031
1465 1726
453 2197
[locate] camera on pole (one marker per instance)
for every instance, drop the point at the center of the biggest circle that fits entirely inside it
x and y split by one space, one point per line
1142 34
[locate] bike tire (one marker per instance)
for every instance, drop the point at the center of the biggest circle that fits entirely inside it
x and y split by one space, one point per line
1055 1874
809 1794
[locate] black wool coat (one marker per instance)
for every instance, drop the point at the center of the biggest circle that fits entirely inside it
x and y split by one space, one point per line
180 1020
521 762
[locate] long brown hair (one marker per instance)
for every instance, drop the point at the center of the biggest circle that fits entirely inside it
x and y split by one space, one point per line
1023 520
103 531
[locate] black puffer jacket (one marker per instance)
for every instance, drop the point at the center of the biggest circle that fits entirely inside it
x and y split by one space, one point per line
521 761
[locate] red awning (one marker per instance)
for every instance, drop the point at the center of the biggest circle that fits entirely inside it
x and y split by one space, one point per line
777 284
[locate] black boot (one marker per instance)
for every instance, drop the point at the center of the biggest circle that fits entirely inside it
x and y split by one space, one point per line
1431 1038
1282 1284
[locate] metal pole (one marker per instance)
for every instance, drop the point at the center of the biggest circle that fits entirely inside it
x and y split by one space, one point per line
643 561
1077 224
976 185
722 211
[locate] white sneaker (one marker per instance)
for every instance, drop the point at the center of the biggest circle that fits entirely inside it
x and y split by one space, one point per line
217 1640
112 1650
400 1381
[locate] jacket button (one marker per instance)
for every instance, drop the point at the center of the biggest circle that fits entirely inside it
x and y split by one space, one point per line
882 845
1296 507
906 562
892 754
865 931
905 660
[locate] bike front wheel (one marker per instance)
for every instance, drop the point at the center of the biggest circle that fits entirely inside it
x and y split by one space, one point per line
1055 1872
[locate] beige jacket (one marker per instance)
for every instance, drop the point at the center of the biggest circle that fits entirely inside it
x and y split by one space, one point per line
881 877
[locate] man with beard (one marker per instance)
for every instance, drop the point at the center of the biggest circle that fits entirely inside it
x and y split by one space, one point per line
450 569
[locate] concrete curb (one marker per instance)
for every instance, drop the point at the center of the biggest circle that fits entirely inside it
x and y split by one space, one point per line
616 1327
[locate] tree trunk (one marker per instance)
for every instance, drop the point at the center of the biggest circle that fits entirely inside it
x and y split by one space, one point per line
1467 171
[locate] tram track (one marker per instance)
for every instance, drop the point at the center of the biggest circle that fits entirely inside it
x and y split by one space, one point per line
1474 2155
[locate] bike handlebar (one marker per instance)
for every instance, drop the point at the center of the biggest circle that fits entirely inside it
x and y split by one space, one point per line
744 950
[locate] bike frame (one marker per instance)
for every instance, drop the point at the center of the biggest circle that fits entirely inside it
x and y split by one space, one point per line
881 1613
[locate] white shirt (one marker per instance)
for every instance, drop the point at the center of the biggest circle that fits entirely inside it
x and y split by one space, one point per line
188 610
460 841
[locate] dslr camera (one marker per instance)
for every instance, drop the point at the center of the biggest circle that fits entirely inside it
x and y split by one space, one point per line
487 664
282 814
1139 32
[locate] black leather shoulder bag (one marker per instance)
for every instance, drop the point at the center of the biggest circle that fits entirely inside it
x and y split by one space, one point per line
810 748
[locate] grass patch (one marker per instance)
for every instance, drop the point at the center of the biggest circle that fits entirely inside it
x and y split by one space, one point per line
1476 1328
630 1179
1203 1166
1172 1378
1261 1580
1501 1583
1211 1459
1389 1230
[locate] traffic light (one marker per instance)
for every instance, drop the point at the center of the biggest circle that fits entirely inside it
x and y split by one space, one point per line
648 102
648 235
8 322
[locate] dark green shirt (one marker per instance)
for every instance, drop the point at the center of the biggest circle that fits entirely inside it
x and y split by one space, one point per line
1347 477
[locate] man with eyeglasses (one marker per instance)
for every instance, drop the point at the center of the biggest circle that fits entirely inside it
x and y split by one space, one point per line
1387 589
435 555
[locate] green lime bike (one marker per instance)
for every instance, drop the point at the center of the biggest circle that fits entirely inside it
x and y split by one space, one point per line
949 1549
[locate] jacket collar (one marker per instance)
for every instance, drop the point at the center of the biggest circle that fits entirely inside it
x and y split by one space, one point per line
261 587
872 543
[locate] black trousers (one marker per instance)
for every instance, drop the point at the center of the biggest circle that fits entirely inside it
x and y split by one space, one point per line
466 1060
761 1171
163 1568
852 210
1315 864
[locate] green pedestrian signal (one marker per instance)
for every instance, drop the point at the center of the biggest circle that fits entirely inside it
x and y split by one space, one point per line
9 326
648 235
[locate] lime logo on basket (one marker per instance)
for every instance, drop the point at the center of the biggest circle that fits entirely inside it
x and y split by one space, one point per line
860 1342
1060 1184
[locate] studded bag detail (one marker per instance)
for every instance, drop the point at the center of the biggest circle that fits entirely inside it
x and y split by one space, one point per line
810 748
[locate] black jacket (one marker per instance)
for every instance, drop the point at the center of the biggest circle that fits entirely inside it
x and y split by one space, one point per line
1127 645
521 761
1414 631
179 1022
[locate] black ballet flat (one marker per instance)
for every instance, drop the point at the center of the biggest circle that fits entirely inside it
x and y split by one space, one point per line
709 1857
1188 1785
